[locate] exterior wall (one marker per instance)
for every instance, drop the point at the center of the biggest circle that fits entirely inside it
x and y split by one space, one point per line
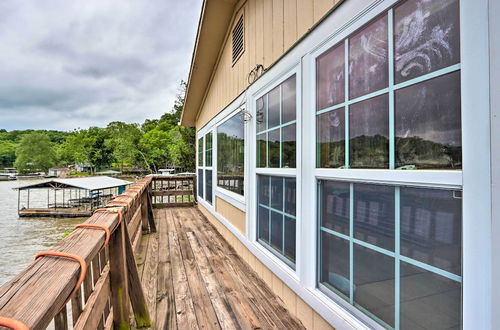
231 213
295 305
271 28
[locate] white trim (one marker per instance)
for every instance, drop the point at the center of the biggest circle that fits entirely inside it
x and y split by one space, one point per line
437 179
477 313
494 9
230 197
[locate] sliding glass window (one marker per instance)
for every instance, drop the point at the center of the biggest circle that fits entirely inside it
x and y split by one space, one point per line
231 154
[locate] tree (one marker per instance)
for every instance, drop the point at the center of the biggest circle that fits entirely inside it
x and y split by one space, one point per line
35 153
7 153
124 140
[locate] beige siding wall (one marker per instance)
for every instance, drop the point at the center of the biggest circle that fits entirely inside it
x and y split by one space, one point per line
297 307
231 213
271 28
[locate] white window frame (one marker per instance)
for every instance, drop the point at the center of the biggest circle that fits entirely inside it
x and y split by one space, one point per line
265 85
228 195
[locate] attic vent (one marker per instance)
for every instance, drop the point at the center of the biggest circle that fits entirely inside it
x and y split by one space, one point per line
238 40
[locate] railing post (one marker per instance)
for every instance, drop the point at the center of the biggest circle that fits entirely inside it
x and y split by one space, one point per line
119 278
137 299
144 212
195 189
151 220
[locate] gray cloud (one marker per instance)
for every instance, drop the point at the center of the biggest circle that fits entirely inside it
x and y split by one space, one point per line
67 64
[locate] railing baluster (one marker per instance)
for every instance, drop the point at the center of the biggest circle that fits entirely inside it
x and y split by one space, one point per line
61 320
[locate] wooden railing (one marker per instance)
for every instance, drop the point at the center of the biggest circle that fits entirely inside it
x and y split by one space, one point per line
38 295
173 191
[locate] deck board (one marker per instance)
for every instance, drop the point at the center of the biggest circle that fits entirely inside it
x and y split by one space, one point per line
193 279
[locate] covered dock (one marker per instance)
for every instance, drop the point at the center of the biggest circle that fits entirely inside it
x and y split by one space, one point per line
77 197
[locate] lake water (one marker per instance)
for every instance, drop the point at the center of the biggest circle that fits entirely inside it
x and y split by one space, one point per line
22 238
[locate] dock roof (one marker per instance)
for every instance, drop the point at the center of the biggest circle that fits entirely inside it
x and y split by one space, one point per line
90 183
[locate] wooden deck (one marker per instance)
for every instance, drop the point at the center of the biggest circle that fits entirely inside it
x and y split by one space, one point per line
193 278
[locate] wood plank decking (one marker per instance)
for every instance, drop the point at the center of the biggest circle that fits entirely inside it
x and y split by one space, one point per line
194 279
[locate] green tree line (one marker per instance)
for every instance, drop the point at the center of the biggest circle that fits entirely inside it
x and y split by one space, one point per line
154 144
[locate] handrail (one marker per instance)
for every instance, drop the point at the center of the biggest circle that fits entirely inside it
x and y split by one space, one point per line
34 297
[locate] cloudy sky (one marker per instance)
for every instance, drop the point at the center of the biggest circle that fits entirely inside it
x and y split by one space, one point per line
69 64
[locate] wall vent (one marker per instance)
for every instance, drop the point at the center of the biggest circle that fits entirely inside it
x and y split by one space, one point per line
238 39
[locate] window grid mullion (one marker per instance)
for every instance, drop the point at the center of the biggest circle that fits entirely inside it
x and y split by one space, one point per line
390 46
351 243
397 251
346 98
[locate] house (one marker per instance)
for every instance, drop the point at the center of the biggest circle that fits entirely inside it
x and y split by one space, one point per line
58 171
351 151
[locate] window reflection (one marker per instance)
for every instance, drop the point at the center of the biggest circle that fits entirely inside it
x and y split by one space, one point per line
374 283
428 124
335 262
428 301
331 139
289 105
368 66
374 214
330 75
288 146
335 206
231 154
369 133
431 227
208 186
277 226
426 37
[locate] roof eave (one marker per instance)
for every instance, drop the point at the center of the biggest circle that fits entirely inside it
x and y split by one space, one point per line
214 21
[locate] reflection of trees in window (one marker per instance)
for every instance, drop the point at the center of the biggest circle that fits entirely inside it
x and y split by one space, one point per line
231 154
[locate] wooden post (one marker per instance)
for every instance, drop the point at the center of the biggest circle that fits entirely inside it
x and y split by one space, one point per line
137 299
195 189
18 199
151 220
61 320
119 278
144 212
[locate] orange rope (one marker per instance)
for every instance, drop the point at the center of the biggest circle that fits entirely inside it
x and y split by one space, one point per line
120 214
83 267
118 202
106 229
12 324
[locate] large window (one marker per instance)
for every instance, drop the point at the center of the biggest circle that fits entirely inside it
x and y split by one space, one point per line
393 252
388 96
276 225
231 154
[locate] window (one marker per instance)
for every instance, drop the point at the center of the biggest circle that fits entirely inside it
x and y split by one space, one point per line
231 154
238 37
205 155
379 242
276 224
276 113
388 96
276 126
